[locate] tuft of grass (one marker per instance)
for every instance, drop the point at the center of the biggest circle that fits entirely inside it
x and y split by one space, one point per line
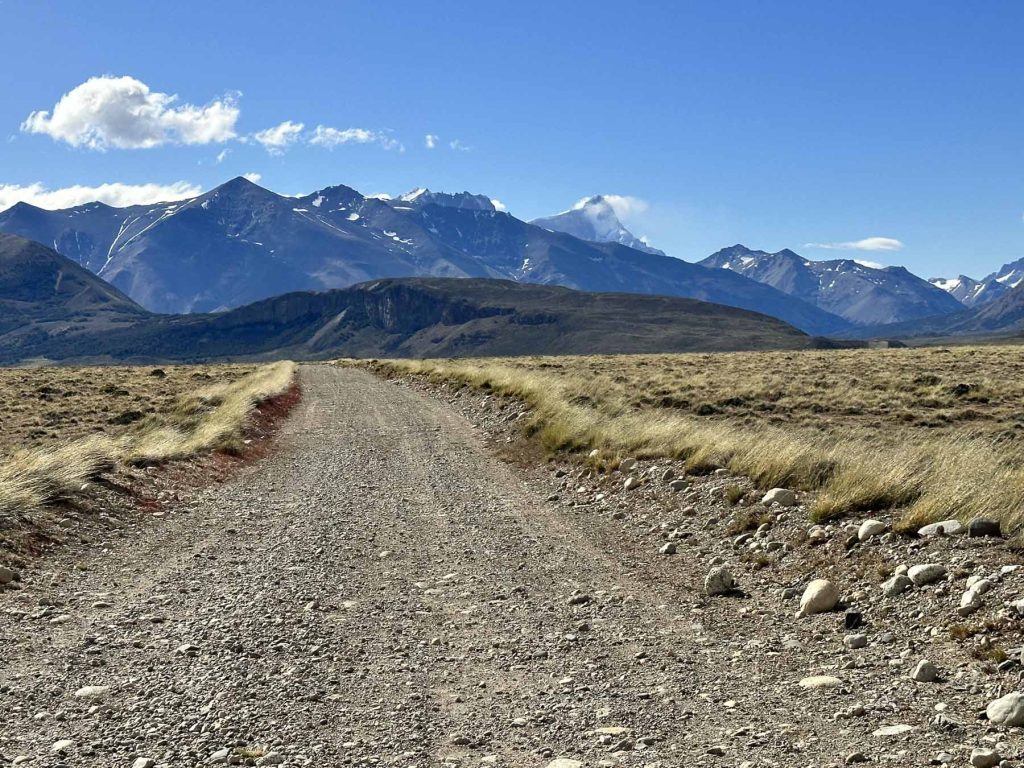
212 418
866 430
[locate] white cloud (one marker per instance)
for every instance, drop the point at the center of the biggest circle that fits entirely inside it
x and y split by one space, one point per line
458 146
221 155
624 206
867 244
325 136
498 205
870 264
253 177
277 139
430 140
123 112
116 194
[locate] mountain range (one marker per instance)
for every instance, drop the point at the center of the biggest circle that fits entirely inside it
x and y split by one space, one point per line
860 294
57 311
972 293
240 243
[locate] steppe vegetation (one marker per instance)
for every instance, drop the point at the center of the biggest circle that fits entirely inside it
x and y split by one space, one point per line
934 432
61 426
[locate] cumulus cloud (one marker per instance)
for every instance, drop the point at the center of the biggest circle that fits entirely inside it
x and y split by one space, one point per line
124 113
870 264
325 136
867 244
116 194
253 177
430 140
277 139
498 205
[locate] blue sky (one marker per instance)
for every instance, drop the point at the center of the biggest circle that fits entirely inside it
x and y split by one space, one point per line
774 124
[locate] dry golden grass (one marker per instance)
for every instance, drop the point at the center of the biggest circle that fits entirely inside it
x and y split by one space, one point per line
192 420
934 432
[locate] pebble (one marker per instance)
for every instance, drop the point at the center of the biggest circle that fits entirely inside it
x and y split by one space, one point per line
668 548
62 746
892 730
631 483
897 585
144 762
93 692
855 641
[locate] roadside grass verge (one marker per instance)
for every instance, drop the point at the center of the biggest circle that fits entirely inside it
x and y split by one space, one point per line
211 418
852 468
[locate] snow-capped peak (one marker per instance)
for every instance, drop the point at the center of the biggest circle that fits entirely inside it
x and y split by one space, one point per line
595 218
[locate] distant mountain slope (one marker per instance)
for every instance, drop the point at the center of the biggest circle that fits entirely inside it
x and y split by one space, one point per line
973 293
860 294
39 288
594 218
240 243
424 317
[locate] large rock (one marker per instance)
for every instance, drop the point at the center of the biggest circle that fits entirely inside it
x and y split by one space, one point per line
6 575
781 496
820 681
93 692
1007 710
983 526
944 527
719 581
897 585
985 758
926 573
925 672
820 596
870 528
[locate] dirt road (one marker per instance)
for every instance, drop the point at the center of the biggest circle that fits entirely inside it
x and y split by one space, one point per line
381 590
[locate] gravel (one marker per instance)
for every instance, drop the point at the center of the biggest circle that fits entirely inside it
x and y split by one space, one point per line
381 589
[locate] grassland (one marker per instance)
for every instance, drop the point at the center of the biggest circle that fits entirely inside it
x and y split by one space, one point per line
934 433
60 426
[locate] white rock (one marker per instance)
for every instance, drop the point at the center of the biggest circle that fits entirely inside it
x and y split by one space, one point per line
981 585
985 758
820 681
871 528
631 483
897 585
564 762
944 527
668 548
62 746
781 496
93 692
892 730
820 596
719 581
144 762
1007 710
855 641
926 573
925 672
970 602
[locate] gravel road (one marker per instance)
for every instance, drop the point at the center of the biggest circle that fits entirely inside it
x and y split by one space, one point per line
381 590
